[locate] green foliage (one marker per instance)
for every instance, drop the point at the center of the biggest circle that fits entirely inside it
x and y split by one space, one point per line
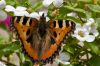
7 49
94 61
94 8
84 9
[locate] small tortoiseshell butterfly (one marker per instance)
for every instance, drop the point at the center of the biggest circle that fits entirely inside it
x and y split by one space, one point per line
41 40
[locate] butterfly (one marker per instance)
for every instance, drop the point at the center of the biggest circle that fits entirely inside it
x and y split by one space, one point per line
41 40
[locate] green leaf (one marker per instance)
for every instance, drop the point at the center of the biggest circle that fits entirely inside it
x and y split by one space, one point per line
7 49
94 47
86 1
63 11
37 6
21 56
69 49
75 9
70 18
2 40
98 22
94 8
73 19
95 61
27 63
11 2
79 11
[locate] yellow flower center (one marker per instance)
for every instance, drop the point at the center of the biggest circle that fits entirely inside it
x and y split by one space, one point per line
92 25
81 33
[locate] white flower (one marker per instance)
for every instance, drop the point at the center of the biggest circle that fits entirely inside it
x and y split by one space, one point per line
92 27
72 14
38 15
2 64
9 8
63 58
35 15
19 11
3 15
2 4
56 3
82 34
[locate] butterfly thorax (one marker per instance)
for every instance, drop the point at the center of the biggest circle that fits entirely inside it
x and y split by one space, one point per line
41 37
42 27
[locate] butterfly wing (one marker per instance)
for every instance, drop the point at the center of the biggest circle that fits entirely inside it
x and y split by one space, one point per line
59 30
24 27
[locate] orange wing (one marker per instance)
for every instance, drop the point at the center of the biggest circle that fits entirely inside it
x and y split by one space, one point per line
59 30
24 27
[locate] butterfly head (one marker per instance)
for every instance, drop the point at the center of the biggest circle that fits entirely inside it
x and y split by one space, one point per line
43 18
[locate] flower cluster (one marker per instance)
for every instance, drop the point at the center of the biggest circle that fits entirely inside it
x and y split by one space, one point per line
21 11
56 3
86 32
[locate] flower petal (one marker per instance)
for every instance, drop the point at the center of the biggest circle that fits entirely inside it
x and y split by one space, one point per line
95 32
20 8
80 38
2 4
90 38
9 8
63 58
46 3
90 20
21 13
35 15
58 3
43 12
2 64
72 14
78 25
47 19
